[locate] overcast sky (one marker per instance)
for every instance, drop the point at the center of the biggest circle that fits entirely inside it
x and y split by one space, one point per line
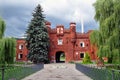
18 13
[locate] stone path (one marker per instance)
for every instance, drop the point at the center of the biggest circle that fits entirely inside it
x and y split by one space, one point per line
58 72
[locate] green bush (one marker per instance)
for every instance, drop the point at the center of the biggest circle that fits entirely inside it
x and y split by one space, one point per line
87 59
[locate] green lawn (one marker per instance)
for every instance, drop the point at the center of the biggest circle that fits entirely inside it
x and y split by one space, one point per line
17 72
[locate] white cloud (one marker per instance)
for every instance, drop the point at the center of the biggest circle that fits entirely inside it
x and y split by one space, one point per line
69 10
62 10
24 3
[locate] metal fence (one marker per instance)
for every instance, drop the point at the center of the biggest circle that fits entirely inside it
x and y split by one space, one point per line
18 72
99 73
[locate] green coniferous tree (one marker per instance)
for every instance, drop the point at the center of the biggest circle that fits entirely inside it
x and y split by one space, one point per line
37 38
107 38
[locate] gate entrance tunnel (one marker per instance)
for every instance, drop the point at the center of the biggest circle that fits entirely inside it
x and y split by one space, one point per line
60 57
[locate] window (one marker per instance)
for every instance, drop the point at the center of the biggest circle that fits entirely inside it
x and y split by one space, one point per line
82 44
59 30
20 46
60 41
81 55
20 56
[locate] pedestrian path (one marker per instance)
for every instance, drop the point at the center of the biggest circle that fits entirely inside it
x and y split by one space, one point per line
62 71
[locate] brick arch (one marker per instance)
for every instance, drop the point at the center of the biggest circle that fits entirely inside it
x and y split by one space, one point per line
57 56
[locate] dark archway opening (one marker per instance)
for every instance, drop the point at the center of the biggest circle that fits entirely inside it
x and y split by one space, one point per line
60 57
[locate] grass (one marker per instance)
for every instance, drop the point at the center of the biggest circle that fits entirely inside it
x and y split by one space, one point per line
99 73
17 72
21 62
117 67
62 58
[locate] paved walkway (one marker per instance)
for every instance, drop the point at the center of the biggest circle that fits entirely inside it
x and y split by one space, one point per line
58 72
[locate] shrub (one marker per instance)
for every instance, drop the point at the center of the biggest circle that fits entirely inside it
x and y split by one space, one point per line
87 59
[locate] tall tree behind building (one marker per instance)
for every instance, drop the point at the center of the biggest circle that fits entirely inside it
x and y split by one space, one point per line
107 38
37 37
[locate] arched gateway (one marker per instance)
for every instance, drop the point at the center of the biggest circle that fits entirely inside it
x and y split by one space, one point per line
60 56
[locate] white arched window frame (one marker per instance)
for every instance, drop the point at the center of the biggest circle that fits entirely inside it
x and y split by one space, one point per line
82 44
20 56
21 46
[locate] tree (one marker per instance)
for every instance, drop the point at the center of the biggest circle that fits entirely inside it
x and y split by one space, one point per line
108 40
7 51
2 28
7 47
86 59
37 37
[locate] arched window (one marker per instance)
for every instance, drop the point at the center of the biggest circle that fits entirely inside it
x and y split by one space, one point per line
21 46
20 56
82 44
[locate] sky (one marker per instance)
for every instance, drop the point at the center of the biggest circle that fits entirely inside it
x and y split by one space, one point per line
17 14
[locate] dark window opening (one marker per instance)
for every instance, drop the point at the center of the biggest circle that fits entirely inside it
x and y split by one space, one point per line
81 55
21 56
81 44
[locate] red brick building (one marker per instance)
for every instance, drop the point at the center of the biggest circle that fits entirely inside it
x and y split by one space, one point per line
21 50
72 44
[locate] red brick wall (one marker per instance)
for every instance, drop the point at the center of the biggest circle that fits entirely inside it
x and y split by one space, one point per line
70 46
71 43
21 54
